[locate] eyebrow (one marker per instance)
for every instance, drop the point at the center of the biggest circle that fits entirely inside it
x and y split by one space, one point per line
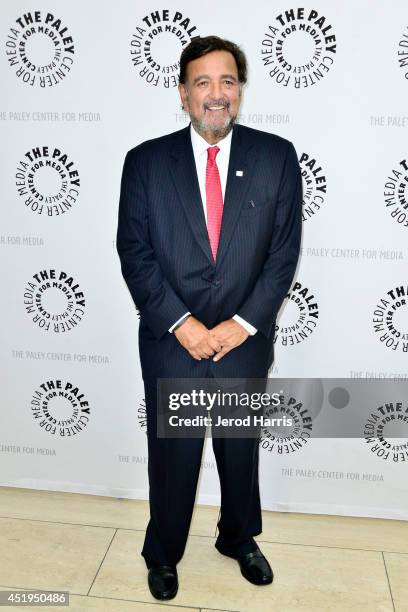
206 76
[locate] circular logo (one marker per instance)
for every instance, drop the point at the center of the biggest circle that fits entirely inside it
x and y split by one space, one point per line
403 53
295 429
54 300
47 181
390 319
299 49
396 193
383 429
314 185
60 408
141 415
156 44
299 317
40 49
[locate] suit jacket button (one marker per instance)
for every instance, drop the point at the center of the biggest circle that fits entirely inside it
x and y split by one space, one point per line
209 276
217 283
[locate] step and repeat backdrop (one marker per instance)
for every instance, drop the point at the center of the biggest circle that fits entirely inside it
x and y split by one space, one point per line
84 82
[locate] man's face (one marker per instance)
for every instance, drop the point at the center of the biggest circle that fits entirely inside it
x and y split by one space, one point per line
212 94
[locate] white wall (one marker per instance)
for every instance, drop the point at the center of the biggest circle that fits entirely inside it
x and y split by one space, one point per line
96 104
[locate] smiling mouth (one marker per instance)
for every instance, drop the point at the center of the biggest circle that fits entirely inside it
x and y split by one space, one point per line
215 108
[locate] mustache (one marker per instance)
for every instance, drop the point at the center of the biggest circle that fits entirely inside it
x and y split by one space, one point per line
219 102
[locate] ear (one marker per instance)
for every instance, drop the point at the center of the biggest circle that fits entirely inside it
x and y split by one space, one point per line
183 97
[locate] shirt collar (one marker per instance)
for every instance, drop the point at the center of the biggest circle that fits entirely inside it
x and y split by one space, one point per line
200 145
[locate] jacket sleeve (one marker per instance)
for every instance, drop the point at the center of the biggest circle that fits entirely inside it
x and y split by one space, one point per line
262 305
156 300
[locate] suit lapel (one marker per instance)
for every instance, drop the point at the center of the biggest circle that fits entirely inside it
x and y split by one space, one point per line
237 186
186 181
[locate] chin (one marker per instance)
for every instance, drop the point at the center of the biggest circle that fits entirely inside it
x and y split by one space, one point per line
221 131
221 127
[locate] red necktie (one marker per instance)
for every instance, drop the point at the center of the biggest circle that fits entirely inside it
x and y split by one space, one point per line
214 199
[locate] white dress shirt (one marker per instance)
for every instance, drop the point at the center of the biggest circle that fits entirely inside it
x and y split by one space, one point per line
200 146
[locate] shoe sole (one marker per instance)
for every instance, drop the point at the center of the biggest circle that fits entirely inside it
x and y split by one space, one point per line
166 596
269 581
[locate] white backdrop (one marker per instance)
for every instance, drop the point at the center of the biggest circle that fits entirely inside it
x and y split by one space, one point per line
78 91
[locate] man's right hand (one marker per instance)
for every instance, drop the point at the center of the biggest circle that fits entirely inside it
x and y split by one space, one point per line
196 339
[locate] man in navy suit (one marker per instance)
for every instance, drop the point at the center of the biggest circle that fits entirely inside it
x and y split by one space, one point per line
208 237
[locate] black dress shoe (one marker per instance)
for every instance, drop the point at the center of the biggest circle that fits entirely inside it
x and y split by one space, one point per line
163 581
254 567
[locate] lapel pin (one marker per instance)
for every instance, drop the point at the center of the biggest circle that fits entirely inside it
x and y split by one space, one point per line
239 173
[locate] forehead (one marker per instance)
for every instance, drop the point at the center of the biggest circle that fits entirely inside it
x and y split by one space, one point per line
213 64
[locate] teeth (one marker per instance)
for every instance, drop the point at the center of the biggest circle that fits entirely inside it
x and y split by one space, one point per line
216 107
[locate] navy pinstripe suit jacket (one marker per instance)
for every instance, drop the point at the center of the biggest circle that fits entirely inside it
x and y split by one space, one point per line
166 258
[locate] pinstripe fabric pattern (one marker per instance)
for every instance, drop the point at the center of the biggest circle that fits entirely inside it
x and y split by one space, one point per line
166 257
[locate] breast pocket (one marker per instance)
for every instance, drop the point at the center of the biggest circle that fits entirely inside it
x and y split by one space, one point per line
251 208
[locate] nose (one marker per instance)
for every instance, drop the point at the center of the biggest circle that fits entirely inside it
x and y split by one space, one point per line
216 90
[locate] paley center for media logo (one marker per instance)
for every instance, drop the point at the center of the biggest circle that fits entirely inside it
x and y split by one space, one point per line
157 43
40 49
142 415
54 301
390 319
396 193
47 181
314 185
299 49
60 408
384 430
299 318
283 440
402 53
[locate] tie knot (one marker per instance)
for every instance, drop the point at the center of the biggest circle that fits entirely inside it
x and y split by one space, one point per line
212 153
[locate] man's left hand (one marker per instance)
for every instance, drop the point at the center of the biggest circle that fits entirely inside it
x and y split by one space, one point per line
229 334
